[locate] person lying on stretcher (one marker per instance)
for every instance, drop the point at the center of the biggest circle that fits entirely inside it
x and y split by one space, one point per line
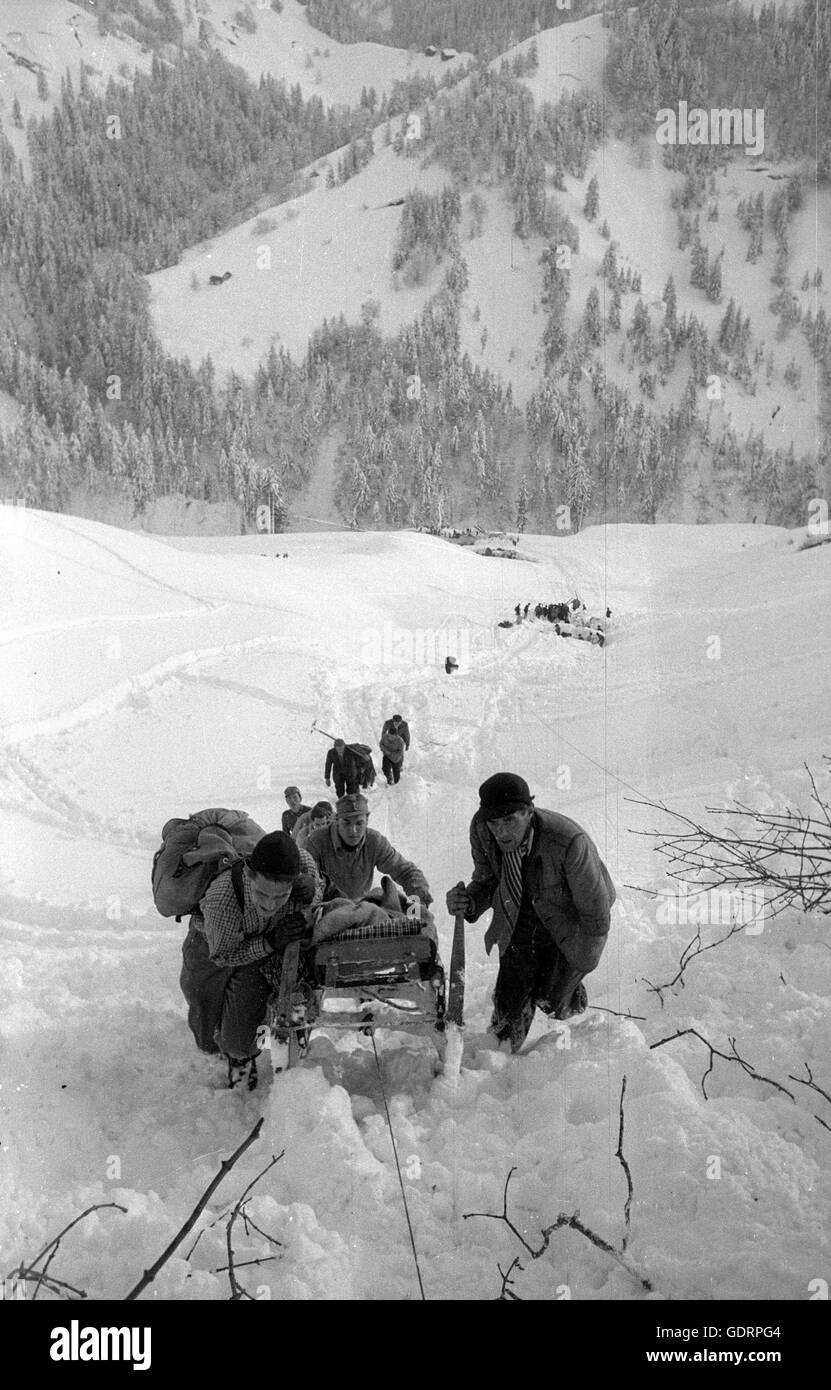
348 852
383 911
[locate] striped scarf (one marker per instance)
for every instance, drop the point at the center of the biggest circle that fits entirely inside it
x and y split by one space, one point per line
508 898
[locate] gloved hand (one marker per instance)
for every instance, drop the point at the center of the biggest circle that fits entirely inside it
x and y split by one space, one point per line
458 900
292 927
303 889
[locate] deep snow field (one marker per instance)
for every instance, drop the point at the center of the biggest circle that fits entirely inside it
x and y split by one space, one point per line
144 679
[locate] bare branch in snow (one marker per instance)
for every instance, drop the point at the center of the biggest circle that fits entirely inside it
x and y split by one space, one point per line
625 1166
41 1278
640 1018
786 853
731 1056
237 1290
808 1080
506 1292
263 1260
563 1220
225 1167
812 1085
691 950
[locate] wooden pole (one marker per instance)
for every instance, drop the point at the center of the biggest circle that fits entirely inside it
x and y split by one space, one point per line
456 993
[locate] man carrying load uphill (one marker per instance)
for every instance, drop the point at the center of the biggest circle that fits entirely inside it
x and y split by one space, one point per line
234 948
551 896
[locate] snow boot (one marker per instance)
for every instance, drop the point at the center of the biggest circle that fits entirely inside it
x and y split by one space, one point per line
578 1004
513 1030
242 1073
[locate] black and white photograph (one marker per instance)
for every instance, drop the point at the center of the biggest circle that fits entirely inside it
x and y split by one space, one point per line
415 666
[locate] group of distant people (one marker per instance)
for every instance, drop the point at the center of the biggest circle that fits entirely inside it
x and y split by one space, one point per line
570 619
350 765
351 768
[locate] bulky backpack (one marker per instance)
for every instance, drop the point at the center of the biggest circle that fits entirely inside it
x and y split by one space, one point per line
364 765
194 851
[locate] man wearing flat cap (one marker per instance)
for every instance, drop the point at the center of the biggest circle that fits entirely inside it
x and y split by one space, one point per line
551 896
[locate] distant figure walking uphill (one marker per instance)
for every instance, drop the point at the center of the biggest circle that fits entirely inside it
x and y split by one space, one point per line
395 738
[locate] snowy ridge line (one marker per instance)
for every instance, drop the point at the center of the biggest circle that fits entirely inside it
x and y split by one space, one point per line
109 700
128 564
18 634
108 573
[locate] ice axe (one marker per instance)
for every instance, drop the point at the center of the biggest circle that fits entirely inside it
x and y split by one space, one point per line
358 754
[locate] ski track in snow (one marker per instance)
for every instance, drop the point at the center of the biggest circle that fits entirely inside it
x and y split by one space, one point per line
118 1074
109 700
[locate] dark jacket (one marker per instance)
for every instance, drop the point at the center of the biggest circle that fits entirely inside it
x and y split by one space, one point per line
290 817
350 765
567 882
352 871
403 731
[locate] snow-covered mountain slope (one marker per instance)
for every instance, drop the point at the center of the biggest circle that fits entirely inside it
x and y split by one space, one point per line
58 37
288 47
145 679
319 255
331 249
53 38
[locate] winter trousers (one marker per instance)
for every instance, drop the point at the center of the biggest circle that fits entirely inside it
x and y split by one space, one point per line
533 973
345 783
392 771
226 1004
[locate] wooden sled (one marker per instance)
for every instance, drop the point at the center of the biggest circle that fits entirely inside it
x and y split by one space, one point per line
363 982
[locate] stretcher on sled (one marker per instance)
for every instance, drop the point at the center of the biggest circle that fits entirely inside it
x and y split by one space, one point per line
383 974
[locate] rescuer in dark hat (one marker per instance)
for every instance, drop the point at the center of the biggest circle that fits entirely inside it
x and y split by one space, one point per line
551 896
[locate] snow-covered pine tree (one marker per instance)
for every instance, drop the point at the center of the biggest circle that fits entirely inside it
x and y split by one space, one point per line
592 322
522 505
591 206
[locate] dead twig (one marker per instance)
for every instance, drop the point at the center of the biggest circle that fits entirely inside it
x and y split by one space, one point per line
506 1292
237 1290
809 1081
731 1056
812 1085
260 1232
564 1220
263 1260
225 1167
785 853
692 949
41 1278
625 1166
640 1018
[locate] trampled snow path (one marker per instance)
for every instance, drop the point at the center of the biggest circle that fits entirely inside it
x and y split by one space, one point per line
104 1097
